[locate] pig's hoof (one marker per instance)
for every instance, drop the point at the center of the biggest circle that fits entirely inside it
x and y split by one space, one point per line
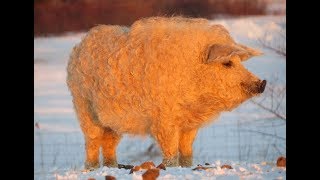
185 161
110 163
171 162
91 165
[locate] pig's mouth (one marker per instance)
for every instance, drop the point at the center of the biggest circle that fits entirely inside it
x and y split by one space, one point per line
254 88
262 86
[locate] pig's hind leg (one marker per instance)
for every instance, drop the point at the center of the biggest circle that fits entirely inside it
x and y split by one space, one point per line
110 141
91 129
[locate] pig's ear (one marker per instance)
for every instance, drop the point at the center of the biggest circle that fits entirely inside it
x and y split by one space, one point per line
217 52
222 52
247 52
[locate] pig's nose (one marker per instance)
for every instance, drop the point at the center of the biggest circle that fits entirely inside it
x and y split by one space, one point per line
262 86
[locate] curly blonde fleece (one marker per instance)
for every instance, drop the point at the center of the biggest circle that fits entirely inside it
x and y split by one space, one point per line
155 78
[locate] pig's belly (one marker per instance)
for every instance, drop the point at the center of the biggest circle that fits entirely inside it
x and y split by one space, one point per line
126 123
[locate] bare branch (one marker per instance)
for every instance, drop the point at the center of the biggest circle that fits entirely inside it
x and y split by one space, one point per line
266 134
273 101
278 50
278 44
269 110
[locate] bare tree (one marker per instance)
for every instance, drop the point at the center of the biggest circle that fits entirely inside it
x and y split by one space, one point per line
275 94
278 45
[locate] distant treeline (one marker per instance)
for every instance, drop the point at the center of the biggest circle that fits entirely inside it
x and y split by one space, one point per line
59 16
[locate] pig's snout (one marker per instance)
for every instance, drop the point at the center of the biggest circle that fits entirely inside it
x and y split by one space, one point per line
262 86
254 88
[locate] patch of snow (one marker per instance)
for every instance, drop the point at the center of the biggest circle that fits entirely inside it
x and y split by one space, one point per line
238 171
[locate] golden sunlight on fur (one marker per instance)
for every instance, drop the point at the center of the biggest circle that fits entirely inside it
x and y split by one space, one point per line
166 77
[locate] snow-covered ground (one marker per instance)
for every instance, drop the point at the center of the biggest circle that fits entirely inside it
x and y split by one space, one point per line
249 138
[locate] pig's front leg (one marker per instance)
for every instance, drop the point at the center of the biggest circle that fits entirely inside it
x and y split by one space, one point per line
185 147
167 137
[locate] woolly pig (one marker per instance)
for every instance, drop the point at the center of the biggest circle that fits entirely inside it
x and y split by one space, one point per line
166 77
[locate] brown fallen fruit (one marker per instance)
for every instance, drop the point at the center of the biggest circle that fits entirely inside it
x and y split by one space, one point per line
161 166
110 178
281 162
226 166
135 168
91 179
147 165
151 174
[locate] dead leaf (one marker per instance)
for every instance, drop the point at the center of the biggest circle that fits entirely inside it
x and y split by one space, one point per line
147 165
161 166
281 162
151 174
226 166
135 168
110 178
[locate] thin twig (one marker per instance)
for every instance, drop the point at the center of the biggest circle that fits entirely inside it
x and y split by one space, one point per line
277 50
271 135
269 110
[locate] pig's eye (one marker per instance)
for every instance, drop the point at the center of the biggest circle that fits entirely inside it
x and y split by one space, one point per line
227 64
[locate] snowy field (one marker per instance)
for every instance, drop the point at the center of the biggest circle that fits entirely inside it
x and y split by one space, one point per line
249 138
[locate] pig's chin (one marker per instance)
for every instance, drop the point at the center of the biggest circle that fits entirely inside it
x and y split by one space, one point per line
249 91
251 94
233 106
